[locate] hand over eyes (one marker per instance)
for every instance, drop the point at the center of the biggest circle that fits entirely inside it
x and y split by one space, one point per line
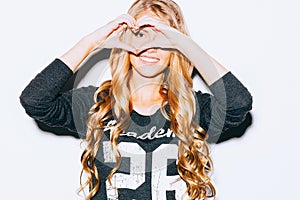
150 33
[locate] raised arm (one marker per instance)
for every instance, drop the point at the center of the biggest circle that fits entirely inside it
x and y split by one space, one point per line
94 40
230 101
43 99
209 68
168 37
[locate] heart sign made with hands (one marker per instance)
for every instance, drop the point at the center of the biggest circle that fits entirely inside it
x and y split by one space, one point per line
145 37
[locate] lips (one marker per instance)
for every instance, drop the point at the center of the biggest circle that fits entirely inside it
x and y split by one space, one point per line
149 59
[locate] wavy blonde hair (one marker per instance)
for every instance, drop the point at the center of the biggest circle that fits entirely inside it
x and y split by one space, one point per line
194 163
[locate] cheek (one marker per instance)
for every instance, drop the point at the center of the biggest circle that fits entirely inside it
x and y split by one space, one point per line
133 60
166 58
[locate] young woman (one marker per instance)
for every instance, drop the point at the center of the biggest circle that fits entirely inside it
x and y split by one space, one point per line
146 129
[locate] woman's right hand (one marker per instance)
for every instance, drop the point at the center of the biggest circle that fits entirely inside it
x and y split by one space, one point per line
104 37
107 36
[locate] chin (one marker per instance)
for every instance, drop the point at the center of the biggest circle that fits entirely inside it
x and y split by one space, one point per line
150 71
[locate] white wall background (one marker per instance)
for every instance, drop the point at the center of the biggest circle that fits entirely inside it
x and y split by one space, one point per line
258 40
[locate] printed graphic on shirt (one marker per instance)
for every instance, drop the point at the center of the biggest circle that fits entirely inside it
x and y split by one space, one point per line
153 133
161 182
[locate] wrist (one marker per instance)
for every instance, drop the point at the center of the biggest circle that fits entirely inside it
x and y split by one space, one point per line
95 39
90 43
74 56
181 43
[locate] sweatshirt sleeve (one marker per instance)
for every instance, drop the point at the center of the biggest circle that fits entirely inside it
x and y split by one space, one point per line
226 108
43 100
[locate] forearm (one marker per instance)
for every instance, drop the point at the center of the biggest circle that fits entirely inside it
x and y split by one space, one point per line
210 69
74 57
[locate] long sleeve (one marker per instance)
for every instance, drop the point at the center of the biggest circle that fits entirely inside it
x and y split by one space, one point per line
42 99
226 108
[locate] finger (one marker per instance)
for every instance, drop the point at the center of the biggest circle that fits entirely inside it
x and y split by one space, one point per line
157 25
114 42
131 18
120 29
145 20
128 19
119 21
159 41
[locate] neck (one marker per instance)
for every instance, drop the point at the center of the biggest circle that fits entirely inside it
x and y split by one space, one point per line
145 96
145 90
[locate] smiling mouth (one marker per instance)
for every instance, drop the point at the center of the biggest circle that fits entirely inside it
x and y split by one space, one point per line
149 60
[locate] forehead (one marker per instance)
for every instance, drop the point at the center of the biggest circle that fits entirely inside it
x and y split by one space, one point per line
149 13
146 13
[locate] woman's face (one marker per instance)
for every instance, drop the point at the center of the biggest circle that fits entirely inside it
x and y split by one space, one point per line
151 62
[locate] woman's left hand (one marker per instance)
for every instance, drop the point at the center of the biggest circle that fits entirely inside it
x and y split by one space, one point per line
168 37
163 35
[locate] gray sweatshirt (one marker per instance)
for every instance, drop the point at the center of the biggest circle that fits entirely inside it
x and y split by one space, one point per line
148 146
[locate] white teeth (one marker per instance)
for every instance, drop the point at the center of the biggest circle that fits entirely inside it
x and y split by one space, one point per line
149 60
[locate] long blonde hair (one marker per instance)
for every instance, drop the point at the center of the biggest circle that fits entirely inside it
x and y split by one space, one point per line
194 163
